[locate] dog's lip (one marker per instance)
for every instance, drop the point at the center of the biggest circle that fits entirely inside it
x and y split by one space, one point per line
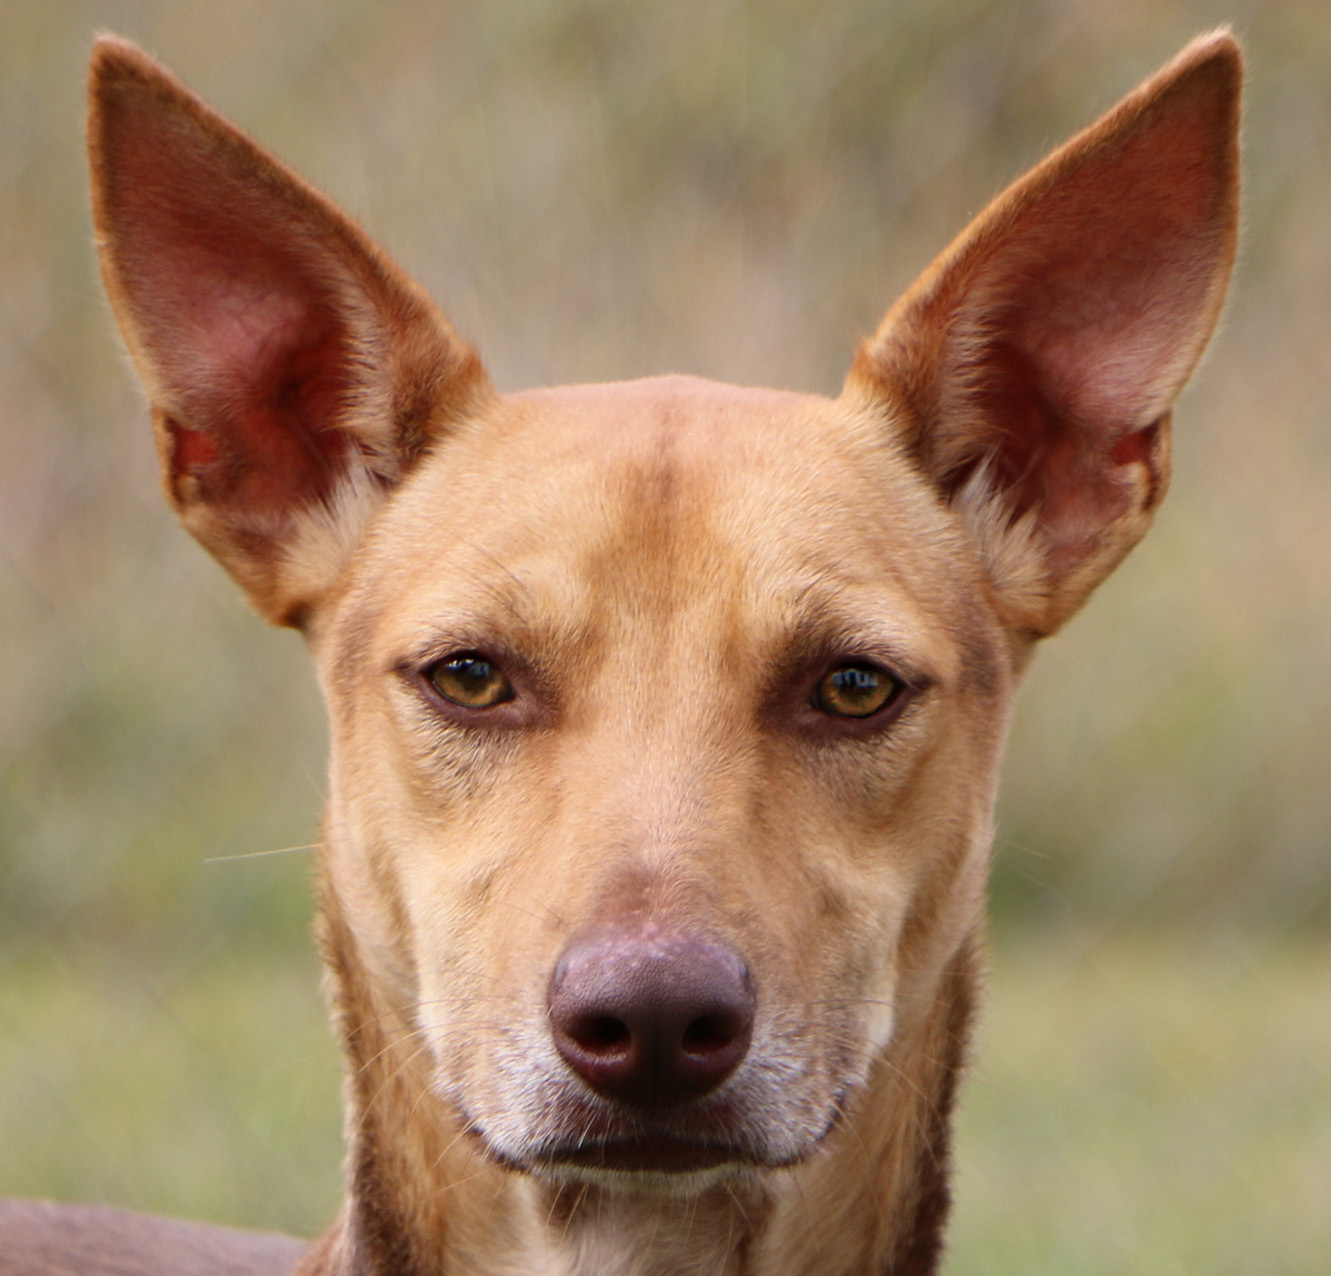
605 1144
654 1153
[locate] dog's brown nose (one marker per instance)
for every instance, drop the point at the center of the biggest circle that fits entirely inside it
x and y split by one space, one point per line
651 1018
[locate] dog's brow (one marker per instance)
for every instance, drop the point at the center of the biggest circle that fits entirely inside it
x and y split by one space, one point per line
821 630
464 629
507 623
487 604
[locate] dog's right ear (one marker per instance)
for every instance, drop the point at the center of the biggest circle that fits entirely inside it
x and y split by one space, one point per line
295 374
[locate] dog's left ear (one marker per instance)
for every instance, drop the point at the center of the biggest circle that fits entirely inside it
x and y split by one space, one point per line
1031 369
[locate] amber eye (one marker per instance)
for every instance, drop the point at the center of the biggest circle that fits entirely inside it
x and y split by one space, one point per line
855 690
471 681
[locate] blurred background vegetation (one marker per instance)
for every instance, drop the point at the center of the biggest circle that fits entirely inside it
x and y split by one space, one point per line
598 189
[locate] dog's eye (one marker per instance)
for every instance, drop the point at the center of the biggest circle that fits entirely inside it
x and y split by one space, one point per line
856 690
471 681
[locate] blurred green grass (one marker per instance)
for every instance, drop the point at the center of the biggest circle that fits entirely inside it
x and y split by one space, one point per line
1151 1105
596 190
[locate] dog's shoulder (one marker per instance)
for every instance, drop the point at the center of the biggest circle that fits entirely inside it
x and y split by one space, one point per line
43 1238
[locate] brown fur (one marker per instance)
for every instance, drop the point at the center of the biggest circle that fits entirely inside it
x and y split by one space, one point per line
665 570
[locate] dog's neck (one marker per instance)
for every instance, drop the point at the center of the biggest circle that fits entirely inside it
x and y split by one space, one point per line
424 1199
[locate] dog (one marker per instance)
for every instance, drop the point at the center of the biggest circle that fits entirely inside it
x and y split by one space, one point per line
666 716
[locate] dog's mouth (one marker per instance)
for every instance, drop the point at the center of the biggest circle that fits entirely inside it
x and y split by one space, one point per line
599 1142
605 1146
646 1153
651 1154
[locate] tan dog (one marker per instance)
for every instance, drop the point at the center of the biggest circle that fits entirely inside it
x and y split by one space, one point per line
666 716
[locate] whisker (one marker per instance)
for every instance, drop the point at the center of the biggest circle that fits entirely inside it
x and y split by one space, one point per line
583 1189
254 855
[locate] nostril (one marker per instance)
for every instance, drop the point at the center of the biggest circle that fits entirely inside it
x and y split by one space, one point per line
602 1034
709 1033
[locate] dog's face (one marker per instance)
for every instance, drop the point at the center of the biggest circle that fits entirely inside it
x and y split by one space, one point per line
665 715
751 692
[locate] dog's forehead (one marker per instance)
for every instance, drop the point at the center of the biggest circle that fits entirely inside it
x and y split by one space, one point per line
700 455
659 497
694 441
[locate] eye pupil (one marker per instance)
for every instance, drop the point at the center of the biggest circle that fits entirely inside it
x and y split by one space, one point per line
471 681
472 671
854 680
855 691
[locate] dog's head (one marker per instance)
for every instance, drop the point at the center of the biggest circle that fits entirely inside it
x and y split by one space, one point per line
665 715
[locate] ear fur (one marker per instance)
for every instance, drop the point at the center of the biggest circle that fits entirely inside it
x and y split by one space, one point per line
1031 369
295 374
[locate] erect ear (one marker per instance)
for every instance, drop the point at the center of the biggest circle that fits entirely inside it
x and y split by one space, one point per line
295 373
1031 369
